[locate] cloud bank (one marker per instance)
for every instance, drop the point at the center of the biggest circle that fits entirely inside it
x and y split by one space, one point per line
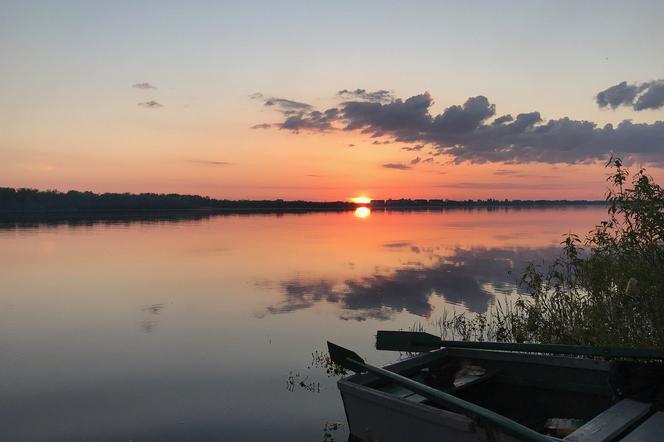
648 95
474 132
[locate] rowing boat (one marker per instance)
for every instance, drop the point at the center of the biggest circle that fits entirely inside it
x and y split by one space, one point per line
491 395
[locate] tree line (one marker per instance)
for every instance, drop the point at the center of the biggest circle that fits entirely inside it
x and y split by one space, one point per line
33 200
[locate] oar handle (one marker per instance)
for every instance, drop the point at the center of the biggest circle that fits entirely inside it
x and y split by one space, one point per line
422 342
581 350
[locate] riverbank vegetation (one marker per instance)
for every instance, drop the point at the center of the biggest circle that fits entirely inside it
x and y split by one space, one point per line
604 289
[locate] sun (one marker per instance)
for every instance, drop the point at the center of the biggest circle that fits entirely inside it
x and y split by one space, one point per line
361 199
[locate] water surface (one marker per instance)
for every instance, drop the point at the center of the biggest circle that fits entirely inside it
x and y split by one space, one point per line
187 329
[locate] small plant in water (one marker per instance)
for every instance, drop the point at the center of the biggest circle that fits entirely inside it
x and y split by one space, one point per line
329 429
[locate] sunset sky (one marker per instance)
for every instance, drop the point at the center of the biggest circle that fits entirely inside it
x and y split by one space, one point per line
330 100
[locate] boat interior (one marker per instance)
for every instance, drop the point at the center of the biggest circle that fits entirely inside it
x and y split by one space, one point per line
565 397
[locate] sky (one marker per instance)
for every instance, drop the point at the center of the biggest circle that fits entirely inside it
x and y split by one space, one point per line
330 100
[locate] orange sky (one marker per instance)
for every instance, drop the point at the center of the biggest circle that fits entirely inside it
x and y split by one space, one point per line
73 113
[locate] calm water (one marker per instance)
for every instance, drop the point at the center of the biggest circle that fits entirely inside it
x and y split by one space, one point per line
188 329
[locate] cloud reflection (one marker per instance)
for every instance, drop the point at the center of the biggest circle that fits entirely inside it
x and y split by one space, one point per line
468 277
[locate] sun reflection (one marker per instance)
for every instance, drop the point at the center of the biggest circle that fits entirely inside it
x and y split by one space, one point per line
361 200
362 212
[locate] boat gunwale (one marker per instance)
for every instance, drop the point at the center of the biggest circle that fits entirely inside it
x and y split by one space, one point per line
417 361
437 416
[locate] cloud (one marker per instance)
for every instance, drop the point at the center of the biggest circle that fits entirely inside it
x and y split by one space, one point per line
652 98
151 104
397 244
299 116
415 160
470 133
398 166
506 172
287 107
211 162
414 148
261 126
648 95
143 86
379 96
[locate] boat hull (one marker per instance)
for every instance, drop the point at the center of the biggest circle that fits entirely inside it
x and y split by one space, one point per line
375 415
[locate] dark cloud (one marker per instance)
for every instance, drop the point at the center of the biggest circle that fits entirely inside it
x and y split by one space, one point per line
376 142
397 244
648 95
467 134
414 148
315 121
620 94
286 107
398 166
261 126
143 86
504 119
469 277
299 116
151 104
415 160
380 96
652 98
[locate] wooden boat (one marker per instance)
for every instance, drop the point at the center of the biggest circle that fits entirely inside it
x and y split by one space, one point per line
526 389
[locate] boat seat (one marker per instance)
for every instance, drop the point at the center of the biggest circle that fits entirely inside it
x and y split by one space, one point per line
611 423
463 382
460 383
650 431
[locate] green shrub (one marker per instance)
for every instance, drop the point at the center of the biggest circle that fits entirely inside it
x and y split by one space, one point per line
607 289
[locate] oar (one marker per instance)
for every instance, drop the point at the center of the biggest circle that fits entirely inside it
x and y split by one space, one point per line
351 361
421 342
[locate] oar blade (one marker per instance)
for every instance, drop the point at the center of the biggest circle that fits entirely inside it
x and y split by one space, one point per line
348 359
414 342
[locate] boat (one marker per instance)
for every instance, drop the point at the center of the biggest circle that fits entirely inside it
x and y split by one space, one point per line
476 394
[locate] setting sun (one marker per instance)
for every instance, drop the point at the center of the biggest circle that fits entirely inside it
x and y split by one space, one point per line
361 200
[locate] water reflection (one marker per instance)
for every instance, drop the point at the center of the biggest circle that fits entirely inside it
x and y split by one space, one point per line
468 277
184 346
362 212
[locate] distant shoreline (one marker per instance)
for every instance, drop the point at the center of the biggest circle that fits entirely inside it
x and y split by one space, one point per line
36 202
285 208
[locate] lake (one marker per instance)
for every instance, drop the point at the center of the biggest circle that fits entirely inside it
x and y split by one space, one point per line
188 328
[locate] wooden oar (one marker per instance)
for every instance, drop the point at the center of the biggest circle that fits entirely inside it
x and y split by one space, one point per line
421 342
351 361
